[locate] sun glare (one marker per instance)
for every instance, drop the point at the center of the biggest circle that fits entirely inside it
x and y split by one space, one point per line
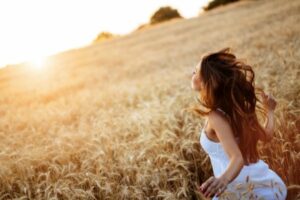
38 63
84 19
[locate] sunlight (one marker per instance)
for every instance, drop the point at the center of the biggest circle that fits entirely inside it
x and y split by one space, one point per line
38 63
71 26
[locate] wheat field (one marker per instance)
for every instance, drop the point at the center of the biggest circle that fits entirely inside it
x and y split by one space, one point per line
108 120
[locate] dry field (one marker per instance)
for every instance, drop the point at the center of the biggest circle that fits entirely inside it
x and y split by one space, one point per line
107 121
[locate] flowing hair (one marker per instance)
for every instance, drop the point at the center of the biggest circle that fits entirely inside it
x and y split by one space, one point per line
229 85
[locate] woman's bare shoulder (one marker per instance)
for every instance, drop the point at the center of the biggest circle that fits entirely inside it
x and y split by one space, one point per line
217 113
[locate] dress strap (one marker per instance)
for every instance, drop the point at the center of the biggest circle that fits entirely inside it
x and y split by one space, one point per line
222 111
206 122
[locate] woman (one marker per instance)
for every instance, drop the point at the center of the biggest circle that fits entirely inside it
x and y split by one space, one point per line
231 132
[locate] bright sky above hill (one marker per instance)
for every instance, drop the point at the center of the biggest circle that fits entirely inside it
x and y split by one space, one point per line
33 29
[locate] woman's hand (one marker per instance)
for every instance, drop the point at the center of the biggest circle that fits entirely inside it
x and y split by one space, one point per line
213 186
268 101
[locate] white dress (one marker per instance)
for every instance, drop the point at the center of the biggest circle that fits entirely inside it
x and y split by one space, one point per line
265 183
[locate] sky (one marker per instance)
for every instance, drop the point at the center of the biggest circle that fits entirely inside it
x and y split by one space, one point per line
33 29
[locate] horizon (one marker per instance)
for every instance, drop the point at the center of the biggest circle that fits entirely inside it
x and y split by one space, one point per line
34 36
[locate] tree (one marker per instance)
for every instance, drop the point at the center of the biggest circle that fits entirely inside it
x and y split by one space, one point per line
163 14
215 3
104 36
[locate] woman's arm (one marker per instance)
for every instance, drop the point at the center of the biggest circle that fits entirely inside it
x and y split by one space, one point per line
225 134
227 140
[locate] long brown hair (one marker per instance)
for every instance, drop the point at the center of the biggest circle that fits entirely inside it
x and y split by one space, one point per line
229 85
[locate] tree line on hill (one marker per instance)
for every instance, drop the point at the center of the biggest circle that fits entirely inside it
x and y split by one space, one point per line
163 14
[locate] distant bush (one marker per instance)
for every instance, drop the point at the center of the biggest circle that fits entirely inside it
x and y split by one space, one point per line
163 14
215 3
104 36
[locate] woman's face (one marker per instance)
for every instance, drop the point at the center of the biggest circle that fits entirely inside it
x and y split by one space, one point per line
196 83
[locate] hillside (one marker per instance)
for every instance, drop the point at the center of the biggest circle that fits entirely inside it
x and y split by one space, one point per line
107 120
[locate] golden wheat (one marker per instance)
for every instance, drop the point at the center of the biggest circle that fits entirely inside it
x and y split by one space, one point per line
108 122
